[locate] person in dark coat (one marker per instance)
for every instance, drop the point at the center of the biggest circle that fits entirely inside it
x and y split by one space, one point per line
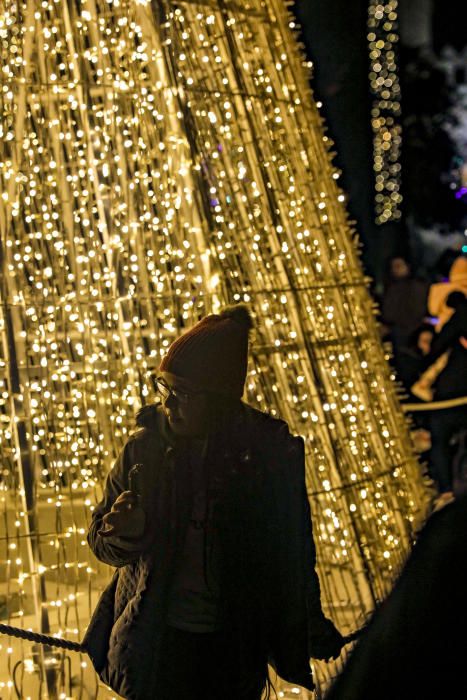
414 647
450 384
413 359
215 558
404 302
411 362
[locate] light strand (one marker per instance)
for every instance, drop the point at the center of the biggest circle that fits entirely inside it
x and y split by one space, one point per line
385 114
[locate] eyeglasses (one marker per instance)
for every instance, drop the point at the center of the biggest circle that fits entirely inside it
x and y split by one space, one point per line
181 396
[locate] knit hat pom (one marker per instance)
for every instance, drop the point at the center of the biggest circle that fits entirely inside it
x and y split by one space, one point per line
238 313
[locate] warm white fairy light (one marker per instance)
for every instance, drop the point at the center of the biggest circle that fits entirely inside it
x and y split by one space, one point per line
152 173
385 113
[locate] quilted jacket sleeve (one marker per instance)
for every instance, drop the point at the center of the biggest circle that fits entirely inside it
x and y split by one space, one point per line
115 551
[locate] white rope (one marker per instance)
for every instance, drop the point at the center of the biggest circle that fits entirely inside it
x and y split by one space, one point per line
435 405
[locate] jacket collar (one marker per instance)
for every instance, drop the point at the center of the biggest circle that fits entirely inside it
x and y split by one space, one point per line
153 418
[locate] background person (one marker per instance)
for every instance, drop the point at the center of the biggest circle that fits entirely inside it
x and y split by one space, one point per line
403 304
413 646
451 383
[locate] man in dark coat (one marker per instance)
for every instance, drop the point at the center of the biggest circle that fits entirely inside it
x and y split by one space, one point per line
215 558
450 384
403 305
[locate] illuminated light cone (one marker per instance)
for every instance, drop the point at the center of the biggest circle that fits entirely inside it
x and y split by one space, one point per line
159 160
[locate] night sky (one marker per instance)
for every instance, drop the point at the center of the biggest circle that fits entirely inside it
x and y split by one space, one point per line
335 35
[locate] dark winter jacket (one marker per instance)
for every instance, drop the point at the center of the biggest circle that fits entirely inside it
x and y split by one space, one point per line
452 381
410 364
269 586
404 303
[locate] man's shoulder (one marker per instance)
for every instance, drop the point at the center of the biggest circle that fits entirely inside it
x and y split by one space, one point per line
268 426
263 419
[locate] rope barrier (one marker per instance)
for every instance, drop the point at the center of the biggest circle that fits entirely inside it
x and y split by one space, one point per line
80 648
42 638
435 405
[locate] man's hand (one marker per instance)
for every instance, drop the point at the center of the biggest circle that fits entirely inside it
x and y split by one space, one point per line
126 519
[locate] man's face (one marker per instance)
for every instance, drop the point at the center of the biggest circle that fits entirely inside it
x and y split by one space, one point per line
424 342
185 406
399 268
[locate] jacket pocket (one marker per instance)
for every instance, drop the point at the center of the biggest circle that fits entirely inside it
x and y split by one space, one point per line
96 639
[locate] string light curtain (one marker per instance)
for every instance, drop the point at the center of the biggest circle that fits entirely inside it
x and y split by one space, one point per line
386 110
159 160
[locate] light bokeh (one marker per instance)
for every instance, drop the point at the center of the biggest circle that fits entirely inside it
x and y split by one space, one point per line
159 160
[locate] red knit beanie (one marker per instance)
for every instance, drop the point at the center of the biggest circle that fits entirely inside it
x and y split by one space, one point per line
214 353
